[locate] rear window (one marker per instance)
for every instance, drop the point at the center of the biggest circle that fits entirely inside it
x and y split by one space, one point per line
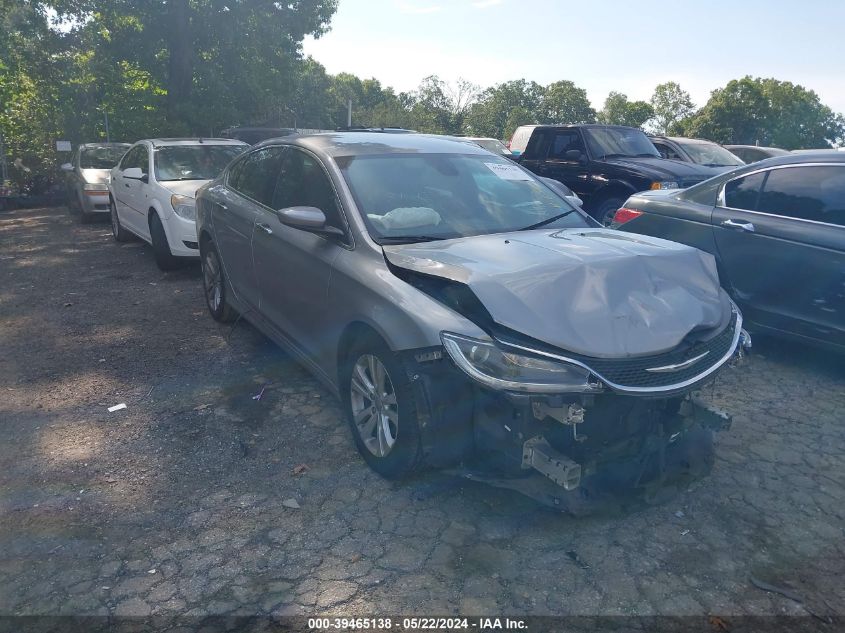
100 157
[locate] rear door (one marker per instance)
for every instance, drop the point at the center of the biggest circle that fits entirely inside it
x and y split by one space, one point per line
781 239
249 188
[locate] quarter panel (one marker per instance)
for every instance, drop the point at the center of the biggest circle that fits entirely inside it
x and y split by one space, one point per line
364 290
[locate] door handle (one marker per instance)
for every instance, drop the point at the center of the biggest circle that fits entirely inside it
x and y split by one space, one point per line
222 206
743 226
265 227
126 184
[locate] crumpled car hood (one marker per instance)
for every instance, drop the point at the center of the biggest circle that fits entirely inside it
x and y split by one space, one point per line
594 292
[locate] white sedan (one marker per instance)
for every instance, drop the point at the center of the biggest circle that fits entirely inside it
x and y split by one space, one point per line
152 191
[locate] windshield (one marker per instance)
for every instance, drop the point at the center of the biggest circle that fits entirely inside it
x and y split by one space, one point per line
194 162
610 142
710 154
104 157
415 197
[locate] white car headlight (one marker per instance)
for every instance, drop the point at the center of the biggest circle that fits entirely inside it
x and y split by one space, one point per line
184 206
95 186
484 362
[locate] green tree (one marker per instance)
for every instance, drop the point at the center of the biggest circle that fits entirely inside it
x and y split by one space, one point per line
564 102
768 112
497 109
619 111
671 105
216 60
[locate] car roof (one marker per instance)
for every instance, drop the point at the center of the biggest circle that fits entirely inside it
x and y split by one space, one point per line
89 145
165 142
797 159
555 126
684 139
336 144
763 147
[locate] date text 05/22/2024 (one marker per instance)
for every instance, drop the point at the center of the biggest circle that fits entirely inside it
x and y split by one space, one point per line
417 624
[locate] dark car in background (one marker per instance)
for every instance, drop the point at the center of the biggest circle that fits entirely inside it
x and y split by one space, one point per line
88 178
604 164
698 151
465 312
492 145
777 230
753 153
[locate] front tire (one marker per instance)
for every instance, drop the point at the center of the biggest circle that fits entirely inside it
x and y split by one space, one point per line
606 210
381 409
161 249
120 234
214 285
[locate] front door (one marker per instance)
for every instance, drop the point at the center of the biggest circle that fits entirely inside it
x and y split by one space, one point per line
562 165
294 266
781 240
130 192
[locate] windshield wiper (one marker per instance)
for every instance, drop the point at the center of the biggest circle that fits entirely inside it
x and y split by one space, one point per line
606 156
647 155
408 239
542 223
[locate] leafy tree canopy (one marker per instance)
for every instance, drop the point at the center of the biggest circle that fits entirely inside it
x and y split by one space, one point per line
752 111
619 111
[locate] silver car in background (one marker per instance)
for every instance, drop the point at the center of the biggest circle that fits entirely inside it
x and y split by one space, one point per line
88 178
466 313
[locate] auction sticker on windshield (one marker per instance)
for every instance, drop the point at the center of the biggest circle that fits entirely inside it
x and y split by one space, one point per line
508 172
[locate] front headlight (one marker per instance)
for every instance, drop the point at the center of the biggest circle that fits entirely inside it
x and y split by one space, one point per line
184 206
95 186
665 184
486 363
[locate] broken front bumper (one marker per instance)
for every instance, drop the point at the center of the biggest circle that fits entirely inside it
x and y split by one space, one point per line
562 446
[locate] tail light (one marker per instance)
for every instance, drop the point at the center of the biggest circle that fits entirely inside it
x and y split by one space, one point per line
625 215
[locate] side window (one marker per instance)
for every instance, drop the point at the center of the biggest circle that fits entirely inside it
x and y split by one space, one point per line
130 159
742 193
143 160
304 183
254 176
666 151
806 193
564 141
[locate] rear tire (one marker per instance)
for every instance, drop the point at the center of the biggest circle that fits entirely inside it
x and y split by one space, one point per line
161 249
120 234
214 286
381 409
606 209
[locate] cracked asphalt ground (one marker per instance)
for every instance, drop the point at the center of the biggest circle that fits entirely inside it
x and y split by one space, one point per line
177 504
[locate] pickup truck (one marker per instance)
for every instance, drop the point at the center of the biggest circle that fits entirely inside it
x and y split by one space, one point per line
603 164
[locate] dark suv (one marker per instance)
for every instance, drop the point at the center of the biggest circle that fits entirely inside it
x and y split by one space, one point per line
604 164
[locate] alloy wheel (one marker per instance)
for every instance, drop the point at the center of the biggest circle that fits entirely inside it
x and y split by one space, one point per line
374 406
213 281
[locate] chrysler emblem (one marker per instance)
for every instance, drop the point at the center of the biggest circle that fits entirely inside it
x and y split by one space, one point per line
678 366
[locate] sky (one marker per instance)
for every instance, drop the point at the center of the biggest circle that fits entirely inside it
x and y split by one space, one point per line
601 45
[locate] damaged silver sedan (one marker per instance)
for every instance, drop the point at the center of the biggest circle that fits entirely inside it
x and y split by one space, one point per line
467 315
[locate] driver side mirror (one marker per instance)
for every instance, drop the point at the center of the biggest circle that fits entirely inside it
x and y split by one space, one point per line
67 167
310 219
574 155
135 173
